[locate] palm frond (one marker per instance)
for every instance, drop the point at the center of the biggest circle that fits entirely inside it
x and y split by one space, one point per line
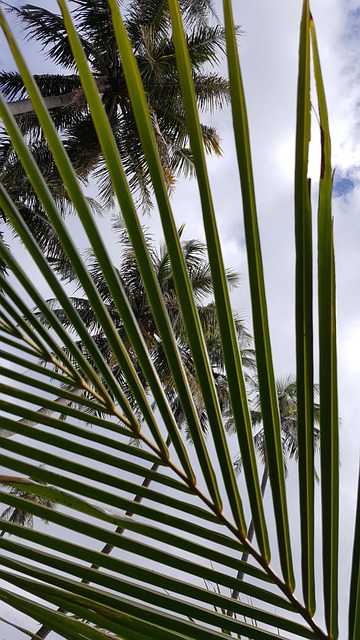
12 85
212 91
113 379
205 44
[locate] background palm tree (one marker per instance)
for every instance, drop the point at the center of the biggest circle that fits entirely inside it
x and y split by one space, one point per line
149 30
21 516
287 400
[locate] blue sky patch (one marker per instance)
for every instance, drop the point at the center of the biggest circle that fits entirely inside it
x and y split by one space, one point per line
343 185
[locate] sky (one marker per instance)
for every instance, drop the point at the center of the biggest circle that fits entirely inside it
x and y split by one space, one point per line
268 52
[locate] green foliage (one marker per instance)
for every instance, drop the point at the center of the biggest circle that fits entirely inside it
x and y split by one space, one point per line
194 515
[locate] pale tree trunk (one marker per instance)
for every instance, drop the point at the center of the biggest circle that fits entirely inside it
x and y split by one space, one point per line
73 98
19 107
44 631
250 534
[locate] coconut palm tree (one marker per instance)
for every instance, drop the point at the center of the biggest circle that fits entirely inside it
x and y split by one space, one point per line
149 30
287 400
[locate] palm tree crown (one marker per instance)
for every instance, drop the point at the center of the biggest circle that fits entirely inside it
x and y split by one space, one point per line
148 27
287 400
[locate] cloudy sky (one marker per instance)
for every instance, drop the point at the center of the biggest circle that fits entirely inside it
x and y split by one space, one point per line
268 53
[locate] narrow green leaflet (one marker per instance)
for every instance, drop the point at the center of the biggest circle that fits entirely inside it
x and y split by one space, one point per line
329 419
354 605
304 315
26 632
269 405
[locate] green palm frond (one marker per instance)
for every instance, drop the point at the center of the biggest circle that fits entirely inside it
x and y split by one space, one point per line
190 526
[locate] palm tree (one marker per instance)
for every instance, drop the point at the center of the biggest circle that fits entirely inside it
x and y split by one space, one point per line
287 400
149 29
196 515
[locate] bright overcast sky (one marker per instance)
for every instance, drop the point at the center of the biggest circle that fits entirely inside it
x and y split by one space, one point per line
268 53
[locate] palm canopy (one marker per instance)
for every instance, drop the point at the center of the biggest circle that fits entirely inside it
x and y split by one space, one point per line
286 389
193 523
149 28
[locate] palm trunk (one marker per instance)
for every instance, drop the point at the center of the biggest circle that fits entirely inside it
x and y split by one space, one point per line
245 556
44 631
19 107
